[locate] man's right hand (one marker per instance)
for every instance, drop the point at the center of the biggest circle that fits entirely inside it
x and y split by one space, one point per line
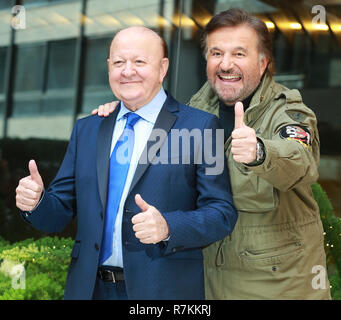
30 189
105 109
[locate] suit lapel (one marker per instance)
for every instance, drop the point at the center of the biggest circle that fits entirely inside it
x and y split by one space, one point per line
164 121
104 140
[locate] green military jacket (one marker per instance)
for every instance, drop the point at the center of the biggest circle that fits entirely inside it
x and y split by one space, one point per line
276 250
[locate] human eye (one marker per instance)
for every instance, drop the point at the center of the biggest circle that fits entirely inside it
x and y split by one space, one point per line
240 54
117 63
215 53
139 62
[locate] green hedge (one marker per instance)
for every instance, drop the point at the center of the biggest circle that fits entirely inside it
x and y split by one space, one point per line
46 262
332 229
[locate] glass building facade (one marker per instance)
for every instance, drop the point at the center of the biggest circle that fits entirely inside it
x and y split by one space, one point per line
53 70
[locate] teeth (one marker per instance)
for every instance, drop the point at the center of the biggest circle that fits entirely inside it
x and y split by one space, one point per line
229 77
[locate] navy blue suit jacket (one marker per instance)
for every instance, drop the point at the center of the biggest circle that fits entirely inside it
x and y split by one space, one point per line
198 208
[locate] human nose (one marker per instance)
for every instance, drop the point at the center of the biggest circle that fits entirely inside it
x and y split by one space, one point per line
128 69
226 63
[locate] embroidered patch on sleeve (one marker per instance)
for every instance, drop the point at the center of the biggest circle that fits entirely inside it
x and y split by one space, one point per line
298 133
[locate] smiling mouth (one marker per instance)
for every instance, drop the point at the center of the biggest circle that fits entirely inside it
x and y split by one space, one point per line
129 82
229 78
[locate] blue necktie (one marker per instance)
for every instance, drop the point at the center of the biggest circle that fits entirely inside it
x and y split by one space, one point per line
118 171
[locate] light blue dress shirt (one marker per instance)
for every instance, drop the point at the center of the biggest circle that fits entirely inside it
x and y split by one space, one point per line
143 128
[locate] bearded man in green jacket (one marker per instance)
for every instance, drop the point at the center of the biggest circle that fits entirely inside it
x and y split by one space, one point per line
276 250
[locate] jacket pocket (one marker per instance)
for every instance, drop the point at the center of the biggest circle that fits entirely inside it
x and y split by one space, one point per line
251 193
276 254
75 250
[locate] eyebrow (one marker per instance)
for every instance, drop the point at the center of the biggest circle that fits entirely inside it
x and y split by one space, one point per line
234 49
214 48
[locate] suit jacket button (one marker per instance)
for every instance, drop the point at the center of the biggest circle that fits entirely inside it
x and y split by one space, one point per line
96 246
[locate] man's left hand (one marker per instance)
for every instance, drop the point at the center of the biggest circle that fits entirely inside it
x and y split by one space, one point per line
244 140
149 225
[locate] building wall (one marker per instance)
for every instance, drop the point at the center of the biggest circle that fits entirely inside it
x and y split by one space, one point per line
54 70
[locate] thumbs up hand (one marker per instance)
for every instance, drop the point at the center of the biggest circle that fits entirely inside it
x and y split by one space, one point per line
149 225
244 140
30 189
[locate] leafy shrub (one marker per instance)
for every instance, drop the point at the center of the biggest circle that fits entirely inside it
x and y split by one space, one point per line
335 282
46 263
332 229
46 260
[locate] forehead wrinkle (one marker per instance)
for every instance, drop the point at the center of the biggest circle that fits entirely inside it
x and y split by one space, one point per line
240 48
214 48
243 39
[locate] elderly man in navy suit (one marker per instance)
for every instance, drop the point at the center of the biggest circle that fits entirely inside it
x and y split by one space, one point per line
146 202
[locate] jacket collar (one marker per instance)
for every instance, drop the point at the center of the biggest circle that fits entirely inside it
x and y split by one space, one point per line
263 95
164 122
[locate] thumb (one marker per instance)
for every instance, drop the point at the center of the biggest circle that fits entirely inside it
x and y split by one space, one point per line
143 205
239 115
35 176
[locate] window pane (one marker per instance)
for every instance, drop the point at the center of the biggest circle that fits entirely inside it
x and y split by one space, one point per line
3 51
96 89
335 66
58 97
319 73
96 54
28 80
191 73
26 2
61 64
5 26
29 67
50 21
24 105
5 36
4 4
93 98
58 102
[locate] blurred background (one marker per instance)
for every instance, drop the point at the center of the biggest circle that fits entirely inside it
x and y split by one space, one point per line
53 71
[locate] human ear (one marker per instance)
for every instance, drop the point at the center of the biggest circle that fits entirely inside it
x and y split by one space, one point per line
163 68
263 63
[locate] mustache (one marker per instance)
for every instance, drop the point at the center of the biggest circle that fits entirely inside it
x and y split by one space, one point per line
228 72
